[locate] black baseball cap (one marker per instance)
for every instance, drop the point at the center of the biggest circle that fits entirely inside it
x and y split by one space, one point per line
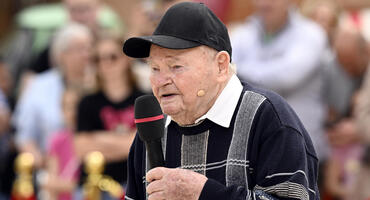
184 25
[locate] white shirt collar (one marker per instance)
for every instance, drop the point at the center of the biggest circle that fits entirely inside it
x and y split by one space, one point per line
222 110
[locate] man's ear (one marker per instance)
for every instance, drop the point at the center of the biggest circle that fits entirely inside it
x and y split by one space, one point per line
223 61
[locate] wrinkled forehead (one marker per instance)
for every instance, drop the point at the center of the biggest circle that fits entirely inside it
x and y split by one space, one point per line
160 54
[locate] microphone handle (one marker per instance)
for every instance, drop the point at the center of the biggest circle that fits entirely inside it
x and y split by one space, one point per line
155 153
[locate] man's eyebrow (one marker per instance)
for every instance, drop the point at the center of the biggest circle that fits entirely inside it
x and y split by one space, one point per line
147 60
168 58
150 62
172 57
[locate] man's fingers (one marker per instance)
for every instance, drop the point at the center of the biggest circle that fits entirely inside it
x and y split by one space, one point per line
155 174
154 186
156 196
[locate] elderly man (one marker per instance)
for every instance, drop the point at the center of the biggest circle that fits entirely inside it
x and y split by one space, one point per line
224 139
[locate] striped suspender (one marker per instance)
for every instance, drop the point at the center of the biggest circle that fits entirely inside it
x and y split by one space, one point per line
237 162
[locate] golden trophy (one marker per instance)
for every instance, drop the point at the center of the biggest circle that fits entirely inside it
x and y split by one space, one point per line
96 182
23 187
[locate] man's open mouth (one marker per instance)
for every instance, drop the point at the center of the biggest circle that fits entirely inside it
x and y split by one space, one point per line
167 95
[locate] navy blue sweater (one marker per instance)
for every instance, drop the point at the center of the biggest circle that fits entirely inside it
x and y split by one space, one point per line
279 162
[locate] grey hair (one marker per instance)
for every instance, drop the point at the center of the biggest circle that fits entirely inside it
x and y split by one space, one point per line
63 37
212 53
232 67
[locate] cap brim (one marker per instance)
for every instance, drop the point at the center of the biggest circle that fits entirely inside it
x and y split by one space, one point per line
139 47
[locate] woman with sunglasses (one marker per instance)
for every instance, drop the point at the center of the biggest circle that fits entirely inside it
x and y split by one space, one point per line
106 118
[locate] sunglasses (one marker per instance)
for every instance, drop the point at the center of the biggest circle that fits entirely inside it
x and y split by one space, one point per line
111 57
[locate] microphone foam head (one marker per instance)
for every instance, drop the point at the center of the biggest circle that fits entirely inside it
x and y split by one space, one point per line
149 118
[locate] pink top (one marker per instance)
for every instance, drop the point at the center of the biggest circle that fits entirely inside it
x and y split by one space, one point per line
61 147
345 155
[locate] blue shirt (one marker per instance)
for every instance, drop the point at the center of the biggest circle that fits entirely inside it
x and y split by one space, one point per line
38 113
287 62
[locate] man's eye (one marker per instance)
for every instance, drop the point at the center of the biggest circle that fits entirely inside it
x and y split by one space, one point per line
177 67
155 69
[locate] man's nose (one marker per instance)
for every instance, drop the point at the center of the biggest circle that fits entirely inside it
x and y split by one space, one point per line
163 78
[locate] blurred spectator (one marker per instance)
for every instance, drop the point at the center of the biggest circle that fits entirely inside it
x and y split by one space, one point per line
7 150
62 164
345 76
142 22
362 109
6 82
85 12
106 118
4 107
280 50
4 141
361 188
325 13
29 50
354 4
341 170
362 115
4 118
344 80
38 113
357 20
146 16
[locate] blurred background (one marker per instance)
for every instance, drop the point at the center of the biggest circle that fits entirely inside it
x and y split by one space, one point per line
67 91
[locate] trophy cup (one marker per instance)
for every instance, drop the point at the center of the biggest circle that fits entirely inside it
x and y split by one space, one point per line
96 182
23 187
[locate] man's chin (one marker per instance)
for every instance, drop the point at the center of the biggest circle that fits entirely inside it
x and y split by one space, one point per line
169 110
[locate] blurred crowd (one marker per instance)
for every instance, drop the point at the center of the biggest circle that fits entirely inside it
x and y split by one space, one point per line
66 88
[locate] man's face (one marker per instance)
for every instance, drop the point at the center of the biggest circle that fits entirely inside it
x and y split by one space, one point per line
271 10
351 54
325 16
77 56
83 11
178 75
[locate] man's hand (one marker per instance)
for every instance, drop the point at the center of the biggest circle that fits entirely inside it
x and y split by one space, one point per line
343 133
174 184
